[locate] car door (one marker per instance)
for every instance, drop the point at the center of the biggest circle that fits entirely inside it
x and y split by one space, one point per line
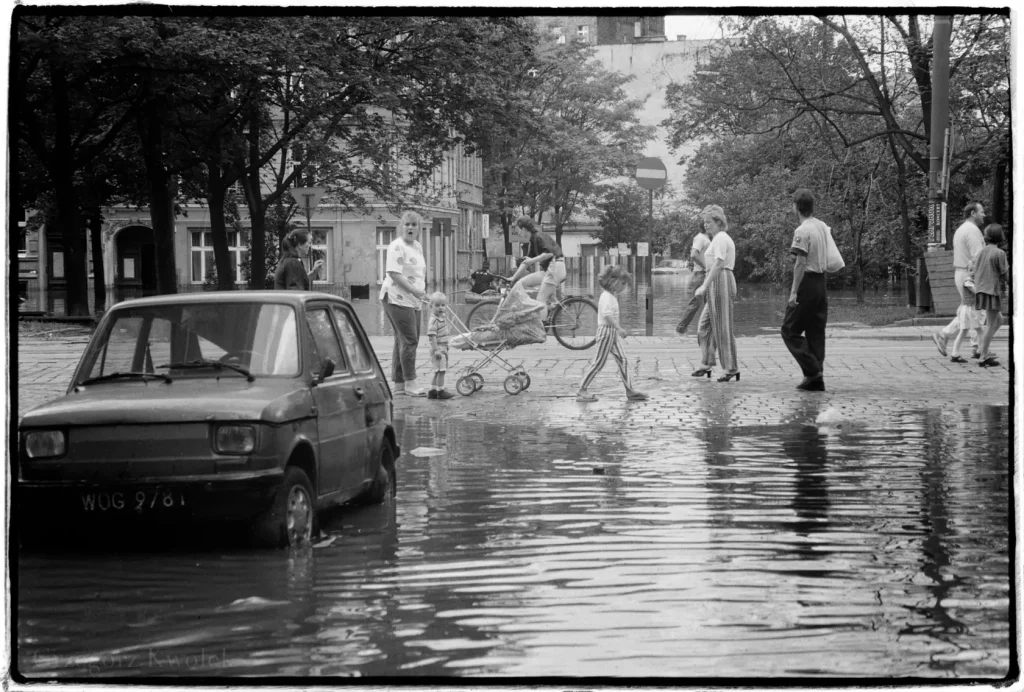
341 413
373 386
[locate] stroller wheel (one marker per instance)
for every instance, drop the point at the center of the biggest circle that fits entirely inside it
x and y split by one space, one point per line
478 381
513 385
525 379
465 385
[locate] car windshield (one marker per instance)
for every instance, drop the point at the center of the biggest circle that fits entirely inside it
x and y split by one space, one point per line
230 339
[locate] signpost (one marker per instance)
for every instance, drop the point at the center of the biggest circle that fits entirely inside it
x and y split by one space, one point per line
651 175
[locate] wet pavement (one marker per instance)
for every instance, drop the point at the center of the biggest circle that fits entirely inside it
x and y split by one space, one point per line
717 530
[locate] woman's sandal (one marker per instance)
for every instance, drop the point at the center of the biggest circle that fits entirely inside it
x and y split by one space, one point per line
584 398
729 375
701 372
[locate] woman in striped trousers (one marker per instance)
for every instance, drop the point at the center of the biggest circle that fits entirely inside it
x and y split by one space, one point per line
715 328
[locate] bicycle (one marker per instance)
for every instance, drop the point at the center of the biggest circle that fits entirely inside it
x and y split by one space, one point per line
571 319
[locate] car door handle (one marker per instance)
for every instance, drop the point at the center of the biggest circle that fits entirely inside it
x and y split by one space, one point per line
360 393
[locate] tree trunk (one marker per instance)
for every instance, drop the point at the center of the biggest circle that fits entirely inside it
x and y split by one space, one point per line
161 202
67 217
95 222
258 238
219 233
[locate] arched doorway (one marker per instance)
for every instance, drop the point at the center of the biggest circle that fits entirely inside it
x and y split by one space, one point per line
135 266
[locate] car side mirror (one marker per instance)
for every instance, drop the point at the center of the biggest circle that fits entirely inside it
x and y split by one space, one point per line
326 370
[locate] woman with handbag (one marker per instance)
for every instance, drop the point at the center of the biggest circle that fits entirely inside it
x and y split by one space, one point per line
803 329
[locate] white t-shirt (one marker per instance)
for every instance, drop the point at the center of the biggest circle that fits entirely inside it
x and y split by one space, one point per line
967 243
407 259
700 244
607 309
722 248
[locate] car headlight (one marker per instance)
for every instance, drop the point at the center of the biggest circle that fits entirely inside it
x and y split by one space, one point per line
45 443
234 439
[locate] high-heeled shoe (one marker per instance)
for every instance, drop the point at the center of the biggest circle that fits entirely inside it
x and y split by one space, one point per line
701 372
729 375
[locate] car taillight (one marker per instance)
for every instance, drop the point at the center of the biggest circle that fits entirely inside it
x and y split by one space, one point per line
234 439
44 444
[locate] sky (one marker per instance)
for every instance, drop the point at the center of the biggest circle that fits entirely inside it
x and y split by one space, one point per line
691 26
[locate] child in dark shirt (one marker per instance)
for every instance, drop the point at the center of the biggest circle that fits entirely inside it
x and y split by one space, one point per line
990 270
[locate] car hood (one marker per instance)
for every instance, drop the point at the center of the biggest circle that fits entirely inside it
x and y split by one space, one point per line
182 401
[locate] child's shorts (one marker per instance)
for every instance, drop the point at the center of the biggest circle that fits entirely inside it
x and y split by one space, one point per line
439 361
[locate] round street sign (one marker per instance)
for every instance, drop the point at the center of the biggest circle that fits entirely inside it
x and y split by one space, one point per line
651 173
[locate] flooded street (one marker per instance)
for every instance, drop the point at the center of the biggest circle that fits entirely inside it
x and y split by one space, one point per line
871 548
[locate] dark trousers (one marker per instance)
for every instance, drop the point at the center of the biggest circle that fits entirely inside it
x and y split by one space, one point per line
406 324
695 305
803 329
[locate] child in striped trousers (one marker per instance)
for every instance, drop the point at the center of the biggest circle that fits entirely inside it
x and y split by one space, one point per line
612 280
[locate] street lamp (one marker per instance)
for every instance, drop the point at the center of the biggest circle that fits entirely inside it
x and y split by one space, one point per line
310 197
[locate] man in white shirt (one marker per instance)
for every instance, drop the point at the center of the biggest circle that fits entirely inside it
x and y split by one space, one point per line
967 243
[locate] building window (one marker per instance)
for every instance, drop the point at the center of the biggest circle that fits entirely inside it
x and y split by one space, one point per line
583 33
385 235
203 265
22 233
559 34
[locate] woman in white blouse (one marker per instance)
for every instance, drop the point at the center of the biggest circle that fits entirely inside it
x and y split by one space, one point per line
402 294
715 328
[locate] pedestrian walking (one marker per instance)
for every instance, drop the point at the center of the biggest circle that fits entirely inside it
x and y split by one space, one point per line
803 328
701 241
291 273
545 253
990 270
715 327
969 319
967 243
437 334
401 295
612 280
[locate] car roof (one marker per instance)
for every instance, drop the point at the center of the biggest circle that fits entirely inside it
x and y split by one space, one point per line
296 298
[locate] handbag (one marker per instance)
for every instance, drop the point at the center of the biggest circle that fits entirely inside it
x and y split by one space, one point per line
833 260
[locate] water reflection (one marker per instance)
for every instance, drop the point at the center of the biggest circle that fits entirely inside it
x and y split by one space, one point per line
717 546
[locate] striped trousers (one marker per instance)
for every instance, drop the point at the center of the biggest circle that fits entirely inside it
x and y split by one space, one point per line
714 330
607 344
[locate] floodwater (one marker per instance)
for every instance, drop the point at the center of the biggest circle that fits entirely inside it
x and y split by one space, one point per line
758 306
877 548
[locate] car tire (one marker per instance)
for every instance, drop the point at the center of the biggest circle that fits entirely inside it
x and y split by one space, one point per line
383 484
290 520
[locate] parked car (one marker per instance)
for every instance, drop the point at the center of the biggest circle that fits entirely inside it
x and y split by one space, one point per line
263 407
669 266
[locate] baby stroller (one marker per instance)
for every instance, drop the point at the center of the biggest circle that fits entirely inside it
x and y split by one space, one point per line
516 323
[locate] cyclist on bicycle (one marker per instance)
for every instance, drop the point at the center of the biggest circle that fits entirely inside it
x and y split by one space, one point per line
546 253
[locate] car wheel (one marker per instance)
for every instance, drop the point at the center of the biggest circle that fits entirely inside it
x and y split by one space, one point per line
383 484
290 520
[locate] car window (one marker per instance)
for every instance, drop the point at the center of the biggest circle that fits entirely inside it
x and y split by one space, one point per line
325 338
260 337
350 338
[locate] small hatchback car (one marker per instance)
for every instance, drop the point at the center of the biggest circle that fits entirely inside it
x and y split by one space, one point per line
262 407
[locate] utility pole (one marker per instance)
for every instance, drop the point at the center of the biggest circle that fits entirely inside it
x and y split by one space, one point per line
651 175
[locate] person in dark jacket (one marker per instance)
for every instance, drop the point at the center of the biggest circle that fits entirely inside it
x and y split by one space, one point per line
291 273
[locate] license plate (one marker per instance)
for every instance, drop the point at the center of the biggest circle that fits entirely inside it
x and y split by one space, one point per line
139 500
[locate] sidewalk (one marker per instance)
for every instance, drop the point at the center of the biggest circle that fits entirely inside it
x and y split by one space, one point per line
869 368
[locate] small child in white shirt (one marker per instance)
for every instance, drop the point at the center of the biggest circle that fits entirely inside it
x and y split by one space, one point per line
437 334
612 279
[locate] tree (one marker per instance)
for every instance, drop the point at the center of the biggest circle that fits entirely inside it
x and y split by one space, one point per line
70 104
860 79
567 125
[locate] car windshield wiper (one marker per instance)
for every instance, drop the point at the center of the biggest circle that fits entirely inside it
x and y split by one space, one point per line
202 363
126 375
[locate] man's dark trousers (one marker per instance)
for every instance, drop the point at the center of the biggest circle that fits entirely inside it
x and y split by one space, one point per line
808 317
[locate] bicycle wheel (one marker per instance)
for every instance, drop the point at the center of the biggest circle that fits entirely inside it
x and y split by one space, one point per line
574 323
481 314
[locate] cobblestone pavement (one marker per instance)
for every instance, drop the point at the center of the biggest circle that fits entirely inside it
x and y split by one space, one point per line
869 372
